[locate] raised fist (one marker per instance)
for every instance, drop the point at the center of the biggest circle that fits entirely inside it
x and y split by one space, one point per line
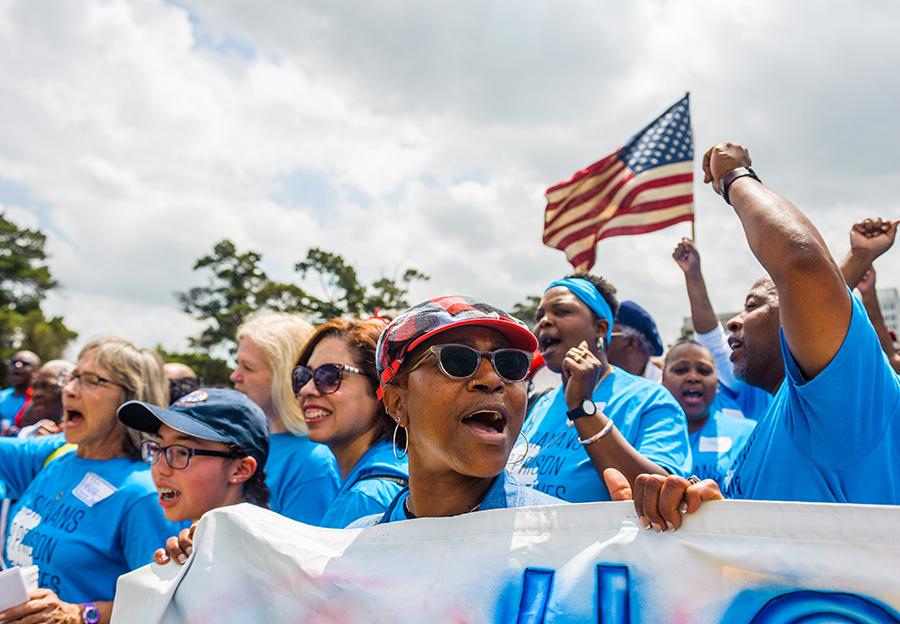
721 159
872 237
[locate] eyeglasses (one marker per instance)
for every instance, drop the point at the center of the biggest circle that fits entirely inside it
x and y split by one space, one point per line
178 456
458 361
51 385
327 378
88 380
20 364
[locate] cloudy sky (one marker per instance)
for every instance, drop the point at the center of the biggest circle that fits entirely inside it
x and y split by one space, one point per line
418 134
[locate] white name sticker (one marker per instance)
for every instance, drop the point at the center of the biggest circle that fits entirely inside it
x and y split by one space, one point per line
720 444
93 489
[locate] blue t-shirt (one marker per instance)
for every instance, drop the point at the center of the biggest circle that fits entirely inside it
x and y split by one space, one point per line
505 492
751 401
10 404
374 482
21 459
834 438
714 447
646 415
86 522
302 477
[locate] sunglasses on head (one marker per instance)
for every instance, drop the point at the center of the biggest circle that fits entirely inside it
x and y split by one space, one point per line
326 378
458 361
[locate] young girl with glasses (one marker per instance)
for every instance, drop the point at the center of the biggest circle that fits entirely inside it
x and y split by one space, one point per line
335 383
208 450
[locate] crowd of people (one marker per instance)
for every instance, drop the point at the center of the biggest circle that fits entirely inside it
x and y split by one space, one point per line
454 406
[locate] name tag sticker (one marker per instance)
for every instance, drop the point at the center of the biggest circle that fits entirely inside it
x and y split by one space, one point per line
93 489
720 444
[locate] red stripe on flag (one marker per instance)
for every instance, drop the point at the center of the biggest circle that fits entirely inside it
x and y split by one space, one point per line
590 222
570 203
644 229
647 207
597 209
597 167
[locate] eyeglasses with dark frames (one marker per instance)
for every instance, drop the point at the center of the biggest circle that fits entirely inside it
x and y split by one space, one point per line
326 378
178 456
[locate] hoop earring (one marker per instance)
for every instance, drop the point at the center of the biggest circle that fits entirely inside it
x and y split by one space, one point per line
524 455
398 454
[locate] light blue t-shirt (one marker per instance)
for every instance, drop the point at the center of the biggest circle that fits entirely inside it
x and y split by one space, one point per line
84 523
302 477
832 439
374 482
505 492
21 460
10 404
714 447
644 412
751 401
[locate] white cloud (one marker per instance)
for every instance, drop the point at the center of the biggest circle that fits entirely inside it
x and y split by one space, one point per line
417 135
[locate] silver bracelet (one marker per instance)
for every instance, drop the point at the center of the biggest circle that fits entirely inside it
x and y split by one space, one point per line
606 429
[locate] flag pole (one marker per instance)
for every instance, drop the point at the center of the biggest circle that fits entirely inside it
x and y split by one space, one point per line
693 233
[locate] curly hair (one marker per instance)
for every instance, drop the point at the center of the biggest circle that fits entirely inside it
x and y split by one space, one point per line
606 290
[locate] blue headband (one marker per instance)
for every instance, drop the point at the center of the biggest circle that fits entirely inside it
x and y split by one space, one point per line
588 293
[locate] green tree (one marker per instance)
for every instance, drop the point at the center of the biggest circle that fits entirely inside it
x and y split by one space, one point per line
25 280
238 286
527 310
212 371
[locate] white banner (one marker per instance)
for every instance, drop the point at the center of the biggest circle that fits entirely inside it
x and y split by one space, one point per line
734 561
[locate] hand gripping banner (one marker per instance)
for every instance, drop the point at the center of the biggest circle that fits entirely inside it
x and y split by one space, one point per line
734 561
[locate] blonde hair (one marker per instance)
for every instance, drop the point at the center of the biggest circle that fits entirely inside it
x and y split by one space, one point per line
280 337
138 371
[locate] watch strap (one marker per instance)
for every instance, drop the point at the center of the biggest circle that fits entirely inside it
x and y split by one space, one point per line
728 179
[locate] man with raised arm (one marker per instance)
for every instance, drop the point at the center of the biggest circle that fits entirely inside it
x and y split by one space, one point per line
832 433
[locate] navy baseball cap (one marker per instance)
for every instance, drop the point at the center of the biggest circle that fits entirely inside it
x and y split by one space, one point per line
636 317
215 414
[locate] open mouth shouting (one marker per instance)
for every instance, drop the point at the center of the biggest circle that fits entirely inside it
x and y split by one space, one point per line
168 496
692 396
736 345
72 419
548 342
488 424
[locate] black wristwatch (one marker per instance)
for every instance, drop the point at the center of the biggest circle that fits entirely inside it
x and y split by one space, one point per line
585 408
728 179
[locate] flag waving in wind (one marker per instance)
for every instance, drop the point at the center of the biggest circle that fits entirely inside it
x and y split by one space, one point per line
645 186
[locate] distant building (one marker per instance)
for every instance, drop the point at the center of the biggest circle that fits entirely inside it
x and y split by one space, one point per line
889 302
687 326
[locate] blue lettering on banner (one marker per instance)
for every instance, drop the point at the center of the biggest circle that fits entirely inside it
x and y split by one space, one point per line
613 584
536 587
817 606
614 602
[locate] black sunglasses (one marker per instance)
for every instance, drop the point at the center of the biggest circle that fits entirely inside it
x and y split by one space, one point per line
458 361
178 456
326 378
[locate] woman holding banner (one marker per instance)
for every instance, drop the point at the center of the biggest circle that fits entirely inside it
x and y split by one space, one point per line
600 417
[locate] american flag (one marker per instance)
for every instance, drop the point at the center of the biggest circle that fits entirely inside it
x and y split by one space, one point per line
645 186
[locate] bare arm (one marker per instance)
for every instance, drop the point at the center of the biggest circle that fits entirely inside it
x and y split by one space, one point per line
687 258
873 310
814 303
581 370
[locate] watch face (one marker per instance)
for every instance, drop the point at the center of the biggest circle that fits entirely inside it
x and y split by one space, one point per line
588 407
91 614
